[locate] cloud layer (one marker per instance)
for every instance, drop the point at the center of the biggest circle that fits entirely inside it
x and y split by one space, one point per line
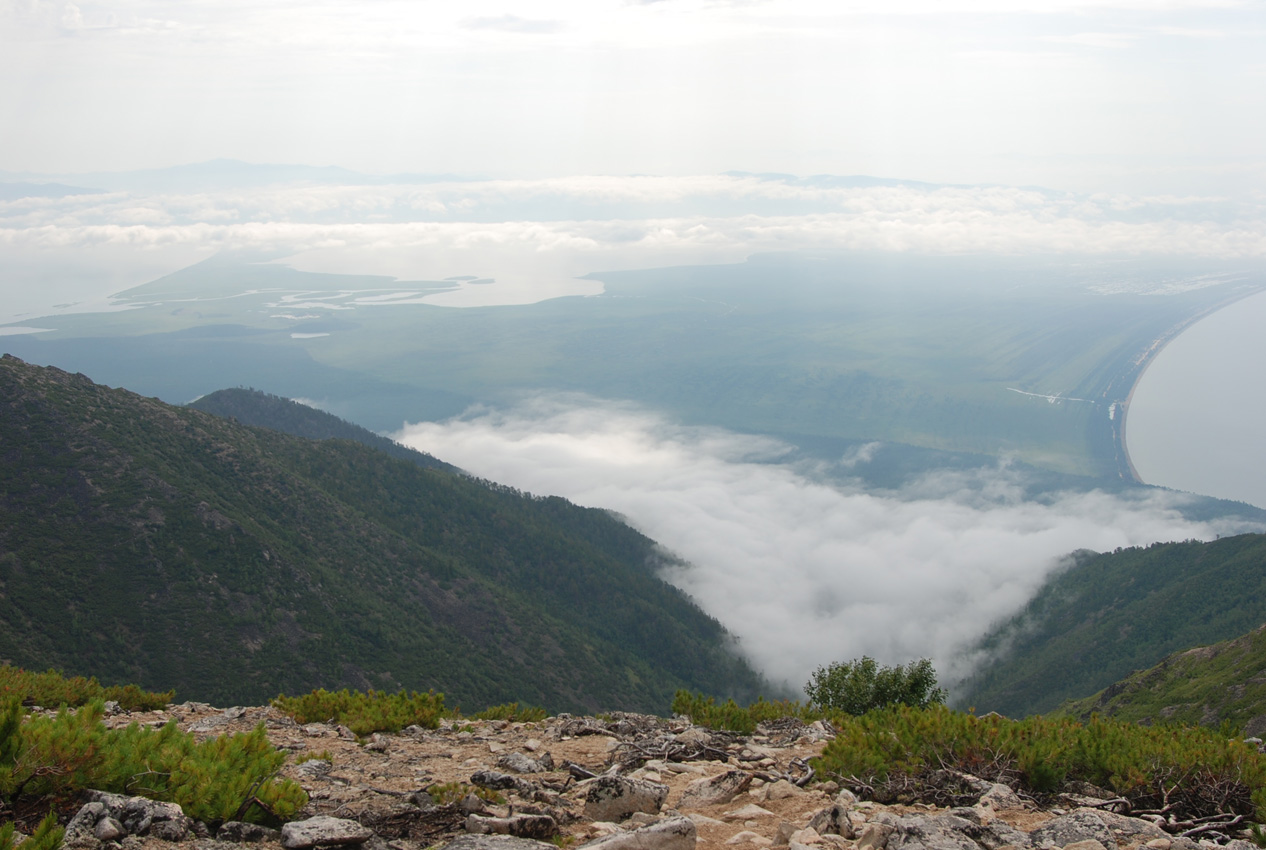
805 571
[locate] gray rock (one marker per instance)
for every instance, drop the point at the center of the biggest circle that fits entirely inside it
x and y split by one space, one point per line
1068 829
322 830
782 789
499 781
1088 844
141 816
613 798
523 826
677 833
495 842
874 836
314 768
833 820
1000 834
1131 828
519 763
1000 797
936 832
108 829
81 831
711 791
245 833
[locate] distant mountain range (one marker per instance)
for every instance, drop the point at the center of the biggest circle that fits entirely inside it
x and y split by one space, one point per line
1110 615
166 546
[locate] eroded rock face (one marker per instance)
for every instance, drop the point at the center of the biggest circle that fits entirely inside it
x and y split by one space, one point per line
613 798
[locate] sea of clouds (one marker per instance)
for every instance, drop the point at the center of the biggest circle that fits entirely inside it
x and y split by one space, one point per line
802 566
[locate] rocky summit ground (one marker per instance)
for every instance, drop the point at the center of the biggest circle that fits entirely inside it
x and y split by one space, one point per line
621 782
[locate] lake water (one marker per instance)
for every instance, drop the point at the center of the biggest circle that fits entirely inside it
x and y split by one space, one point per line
1197 421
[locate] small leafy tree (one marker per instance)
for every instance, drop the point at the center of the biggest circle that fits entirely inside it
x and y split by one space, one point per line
861 685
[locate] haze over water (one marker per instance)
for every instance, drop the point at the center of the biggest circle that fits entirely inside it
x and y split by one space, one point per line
1196 420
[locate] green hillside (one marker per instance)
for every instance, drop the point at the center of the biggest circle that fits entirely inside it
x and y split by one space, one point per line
264 410
165 546
1208 685
1109 615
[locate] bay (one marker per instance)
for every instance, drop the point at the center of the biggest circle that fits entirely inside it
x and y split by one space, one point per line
1197 418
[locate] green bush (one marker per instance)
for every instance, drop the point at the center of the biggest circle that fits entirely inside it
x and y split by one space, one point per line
47 836
231 776
732 717
861 685
366 712
52 689
893 752
512 712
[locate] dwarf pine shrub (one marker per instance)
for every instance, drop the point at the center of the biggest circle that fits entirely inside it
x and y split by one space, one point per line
512 712
365 712
231 776
1192 769
47 836
52 689
733 717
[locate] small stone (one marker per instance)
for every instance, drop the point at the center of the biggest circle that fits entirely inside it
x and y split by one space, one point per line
749 837
874 836
495 747
108 829
1159 844
808 835
532 745
751 810
715 790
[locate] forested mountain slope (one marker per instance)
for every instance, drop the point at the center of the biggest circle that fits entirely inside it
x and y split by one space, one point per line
1206 685
252 407
162 545
1110 615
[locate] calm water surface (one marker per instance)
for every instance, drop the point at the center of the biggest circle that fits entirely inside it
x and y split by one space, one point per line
1197 421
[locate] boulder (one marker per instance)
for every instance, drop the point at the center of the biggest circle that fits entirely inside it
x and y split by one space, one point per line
541 827
613 798
322 830
749 812
1068 829
874 836
80 831
495 842
672 834
1134 830
245 833
141 816
1000 797
714 790
934 832
108 829
833 820
519 763
781 790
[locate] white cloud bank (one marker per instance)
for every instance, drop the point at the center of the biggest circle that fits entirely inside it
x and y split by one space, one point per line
801 570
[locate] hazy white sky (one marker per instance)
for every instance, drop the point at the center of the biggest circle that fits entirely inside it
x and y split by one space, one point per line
1145 95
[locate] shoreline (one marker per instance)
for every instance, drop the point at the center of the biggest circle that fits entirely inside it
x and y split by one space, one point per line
1158 345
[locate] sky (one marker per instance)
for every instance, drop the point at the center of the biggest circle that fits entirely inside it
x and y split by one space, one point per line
534 142
1143 96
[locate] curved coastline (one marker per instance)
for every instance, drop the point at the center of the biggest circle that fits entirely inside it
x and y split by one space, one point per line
1158 345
